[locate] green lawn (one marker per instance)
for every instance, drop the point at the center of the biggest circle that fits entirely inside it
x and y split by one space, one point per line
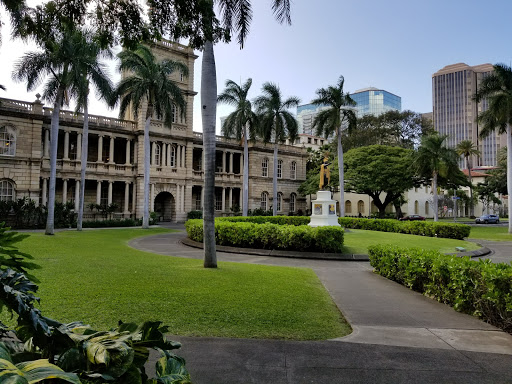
357 241
94 277
490 233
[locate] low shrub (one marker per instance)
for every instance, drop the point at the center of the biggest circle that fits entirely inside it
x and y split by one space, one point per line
269 235
480 288
281 220
111 223
421 228
194 215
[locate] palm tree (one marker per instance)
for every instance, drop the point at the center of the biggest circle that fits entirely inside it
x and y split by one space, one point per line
497 89
236 17
432 159
276 123
467 148
149 84
240 123
89 69
330 121
58 61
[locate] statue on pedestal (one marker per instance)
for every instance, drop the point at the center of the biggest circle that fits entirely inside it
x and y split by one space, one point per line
325 173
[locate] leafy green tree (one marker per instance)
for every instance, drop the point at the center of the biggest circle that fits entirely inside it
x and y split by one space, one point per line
241 123
467 148
433 159
497 90
330 121
497 178
149 86
382 172
276 123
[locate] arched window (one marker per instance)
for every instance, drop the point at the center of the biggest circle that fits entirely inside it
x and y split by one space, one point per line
264 167
293 170
426 208
348 206
293 197
7 190
7 141
279 169
416 208
158 155
279 201
360 206
264 201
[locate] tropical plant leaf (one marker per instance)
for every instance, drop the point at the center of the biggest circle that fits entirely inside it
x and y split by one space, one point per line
171 365
33 372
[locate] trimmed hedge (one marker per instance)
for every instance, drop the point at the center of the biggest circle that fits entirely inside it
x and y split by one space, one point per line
111 223
281 220
246 234
421 228
480 288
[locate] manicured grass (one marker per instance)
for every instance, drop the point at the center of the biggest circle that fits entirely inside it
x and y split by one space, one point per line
490 233
96 278
357 241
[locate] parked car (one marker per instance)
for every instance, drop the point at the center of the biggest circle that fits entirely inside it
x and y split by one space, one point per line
488 219
411 218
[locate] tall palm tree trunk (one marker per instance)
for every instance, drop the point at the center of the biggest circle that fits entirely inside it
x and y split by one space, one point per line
54 140
509 176
83 166
471 205
245 198
274 182
147 168
209 110
436 199
341 174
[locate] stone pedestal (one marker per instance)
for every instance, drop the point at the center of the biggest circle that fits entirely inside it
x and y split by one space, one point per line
324 210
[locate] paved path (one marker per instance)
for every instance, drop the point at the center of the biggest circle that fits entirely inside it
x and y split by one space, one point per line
399 335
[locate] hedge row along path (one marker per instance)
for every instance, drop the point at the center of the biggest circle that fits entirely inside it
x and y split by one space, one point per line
399 335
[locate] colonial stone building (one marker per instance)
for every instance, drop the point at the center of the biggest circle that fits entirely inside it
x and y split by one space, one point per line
115 166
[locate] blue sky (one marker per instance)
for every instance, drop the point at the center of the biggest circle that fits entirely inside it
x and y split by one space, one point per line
396 45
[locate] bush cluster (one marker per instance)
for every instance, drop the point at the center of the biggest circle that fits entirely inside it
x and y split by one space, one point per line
268 235
111 223
281 220
422 228
480 288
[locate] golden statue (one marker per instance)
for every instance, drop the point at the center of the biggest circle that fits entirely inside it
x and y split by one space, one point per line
325 173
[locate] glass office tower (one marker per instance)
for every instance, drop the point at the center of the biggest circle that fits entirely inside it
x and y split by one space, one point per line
373 101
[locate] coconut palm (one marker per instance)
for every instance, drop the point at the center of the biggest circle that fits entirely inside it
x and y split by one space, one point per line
240 124
432 159
149 83
330 121
467 148
497 89
59 63
89 70
276 123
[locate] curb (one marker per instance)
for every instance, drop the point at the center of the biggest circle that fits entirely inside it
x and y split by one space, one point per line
313 255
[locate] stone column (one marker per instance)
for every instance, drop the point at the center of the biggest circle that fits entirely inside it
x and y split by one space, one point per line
134 200
126 196
98 192
178 156
178 205
78 147
64 191
183 153
169 148
182 198
46 143
77 195
111 151
152 198
241 164
230 199
100 149
231 155
223 199
223 161
202 196
128 147
110 186
44 197
66 145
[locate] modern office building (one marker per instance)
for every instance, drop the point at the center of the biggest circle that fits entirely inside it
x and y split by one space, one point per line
374 101
115 166
455 112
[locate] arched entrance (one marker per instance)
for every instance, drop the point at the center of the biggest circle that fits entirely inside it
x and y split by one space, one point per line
165 206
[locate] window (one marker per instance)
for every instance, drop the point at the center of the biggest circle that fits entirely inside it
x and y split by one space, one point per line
279 169
309 140
7 141
348 206
7 190
293 197
293 170
426 208
174 112
279 201
173 156
264 201
316 141
158 154
264 167
218 199
416 208
360 206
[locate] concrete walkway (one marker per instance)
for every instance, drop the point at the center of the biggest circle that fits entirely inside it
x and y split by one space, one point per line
399 335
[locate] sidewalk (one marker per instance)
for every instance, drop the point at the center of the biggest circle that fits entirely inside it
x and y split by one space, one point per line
399 335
